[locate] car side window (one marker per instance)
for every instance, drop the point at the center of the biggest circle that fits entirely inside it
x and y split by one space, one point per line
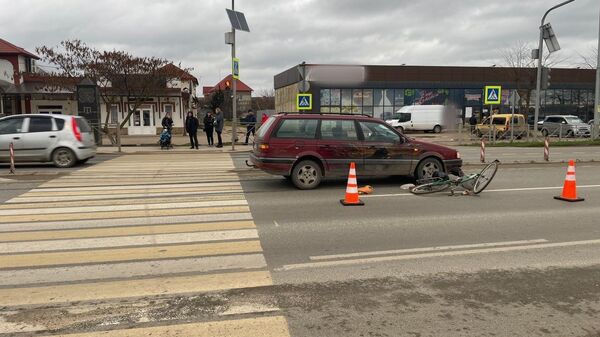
376 132
297 128
11 125
60 123
338 129
40 124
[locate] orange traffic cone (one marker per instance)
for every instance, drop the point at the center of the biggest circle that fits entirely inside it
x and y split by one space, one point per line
569 192
352 189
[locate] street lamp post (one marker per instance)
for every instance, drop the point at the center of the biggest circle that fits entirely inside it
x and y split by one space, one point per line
233 88
538 86
596 125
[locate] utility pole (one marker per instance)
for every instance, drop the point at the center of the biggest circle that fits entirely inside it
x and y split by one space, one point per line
233 88
539 65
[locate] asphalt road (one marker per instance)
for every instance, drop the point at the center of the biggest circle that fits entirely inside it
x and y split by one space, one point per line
511 261
181 245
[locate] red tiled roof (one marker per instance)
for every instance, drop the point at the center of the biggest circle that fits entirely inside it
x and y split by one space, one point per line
9 48
226 82
184 75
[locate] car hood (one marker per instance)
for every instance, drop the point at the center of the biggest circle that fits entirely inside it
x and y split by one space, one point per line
432 147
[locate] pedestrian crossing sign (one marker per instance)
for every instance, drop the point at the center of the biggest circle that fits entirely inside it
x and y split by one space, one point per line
492 94
304 101
235 68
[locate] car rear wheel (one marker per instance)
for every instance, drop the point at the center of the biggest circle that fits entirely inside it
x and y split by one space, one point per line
63 158
544 132
570 134
437 129
427 168
306 175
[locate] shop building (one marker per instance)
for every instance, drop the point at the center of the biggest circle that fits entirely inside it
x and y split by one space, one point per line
379 91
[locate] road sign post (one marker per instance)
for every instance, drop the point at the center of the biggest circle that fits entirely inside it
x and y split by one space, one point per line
492 96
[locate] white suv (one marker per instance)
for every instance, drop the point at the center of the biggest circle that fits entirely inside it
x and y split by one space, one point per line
63 140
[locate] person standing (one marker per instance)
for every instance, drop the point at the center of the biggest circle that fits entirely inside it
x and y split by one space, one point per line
167 122
219 124
473 122
209 125
250 125
191 127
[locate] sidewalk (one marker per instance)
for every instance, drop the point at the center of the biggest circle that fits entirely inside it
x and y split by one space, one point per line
178 139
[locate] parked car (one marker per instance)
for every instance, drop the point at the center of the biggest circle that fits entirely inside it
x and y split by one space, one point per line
565 126
502 125
539 123
63 140
305 148
419 118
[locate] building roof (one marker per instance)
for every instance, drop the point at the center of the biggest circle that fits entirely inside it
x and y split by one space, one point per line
184 75
8 48
225 83
402 76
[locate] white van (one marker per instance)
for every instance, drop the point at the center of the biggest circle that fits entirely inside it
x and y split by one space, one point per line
419 118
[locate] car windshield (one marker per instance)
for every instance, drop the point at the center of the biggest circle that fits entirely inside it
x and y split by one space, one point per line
573 120
499 121
402 117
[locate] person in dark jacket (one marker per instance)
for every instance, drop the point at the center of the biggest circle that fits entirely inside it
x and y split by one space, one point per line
209 125
473 122
219 124
191 127
250 125
167 122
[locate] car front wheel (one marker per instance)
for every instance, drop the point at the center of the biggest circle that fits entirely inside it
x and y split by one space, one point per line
306 175
63 158
437 129
427 168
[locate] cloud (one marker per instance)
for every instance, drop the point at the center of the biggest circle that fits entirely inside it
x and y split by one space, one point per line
285 33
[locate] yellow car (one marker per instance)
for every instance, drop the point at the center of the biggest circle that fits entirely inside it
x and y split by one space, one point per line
501 125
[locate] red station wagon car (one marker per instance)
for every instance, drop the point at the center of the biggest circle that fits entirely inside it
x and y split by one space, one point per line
307 147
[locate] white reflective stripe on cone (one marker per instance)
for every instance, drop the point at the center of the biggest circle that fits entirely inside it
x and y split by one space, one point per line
352 181
352 190
570 178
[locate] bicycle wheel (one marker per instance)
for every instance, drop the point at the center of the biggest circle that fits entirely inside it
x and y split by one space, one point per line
431 187
485 177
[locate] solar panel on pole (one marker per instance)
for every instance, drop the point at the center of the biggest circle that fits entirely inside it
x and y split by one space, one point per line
238 20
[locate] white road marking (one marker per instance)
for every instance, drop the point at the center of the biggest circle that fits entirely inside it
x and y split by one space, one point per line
523 189
427 249
113 208
124 270
135 187
118 196
124 241
431 255
162 220
276 223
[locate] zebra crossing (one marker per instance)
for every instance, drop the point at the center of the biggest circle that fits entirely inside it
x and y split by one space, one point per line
131 227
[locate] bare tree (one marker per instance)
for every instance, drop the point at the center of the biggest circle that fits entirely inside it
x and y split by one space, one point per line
522 68
590 59
117 73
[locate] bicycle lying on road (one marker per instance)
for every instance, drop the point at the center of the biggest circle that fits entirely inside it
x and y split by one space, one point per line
475 182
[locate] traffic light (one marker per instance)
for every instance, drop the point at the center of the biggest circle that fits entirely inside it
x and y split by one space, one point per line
545 78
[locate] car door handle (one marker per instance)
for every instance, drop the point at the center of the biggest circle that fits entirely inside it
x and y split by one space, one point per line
324 146
16 138
52 136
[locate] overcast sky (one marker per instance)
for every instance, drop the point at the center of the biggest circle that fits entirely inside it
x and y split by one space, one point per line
287 32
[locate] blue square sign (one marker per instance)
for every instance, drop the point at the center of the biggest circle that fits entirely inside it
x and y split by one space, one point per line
492 94
304 101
